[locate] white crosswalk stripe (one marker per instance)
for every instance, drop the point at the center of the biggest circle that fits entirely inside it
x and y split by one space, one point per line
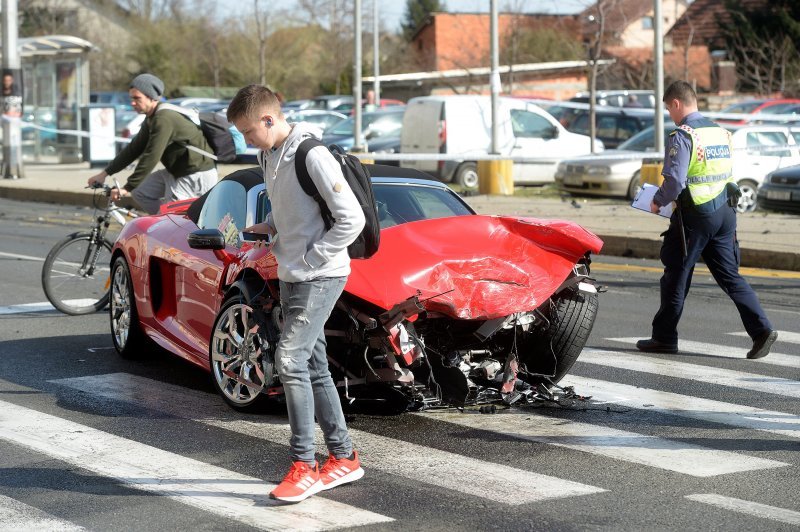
682 370
610 442
213 489
783 336
488 480
687 346
20 517
687 406
756 509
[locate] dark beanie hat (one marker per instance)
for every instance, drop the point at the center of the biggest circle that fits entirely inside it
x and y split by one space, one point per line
149 85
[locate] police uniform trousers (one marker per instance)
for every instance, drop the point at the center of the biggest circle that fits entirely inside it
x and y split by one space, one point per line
712 236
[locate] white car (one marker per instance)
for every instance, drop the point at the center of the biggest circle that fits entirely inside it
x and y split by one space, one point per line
757 151
460 127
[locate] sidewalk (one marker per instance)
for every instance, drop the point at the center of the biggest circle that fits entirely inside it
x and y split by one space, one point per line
767 240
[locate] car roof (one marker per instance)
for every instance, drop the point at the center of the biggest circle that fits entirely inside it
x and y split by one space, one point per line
384 174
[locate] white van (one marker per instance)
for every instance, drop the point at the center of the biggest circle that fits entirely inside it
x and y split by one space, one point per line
461 125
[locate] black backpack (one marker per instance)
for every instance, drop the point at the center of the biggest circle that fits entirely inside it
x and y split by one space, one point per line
216 130
357 176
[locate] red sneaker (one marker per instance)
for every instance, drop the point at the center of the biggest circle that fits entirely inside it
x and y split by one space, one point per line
301 482
338 471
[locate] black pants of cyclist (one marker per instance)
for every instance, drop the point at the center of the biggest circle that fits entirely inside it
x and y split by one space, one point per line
712 236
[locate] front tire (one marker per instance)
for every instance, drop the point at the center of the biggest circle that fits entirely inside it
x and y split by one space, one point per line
634 186
239 343
572 317
74 281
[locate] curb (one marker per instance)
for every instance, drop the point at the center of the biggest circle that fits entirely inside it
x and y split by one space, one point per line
613 245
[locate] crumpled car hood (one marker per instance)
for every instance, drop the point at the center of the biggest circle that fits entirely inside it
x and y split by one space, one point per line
472 267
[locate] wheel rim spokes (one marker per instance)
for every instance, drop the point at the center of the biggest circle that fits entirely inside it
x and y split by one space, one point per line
234 352
120 307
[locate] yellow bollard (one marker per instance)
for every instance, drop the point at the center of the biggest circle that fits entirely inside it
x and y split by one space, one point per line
496 177
651 172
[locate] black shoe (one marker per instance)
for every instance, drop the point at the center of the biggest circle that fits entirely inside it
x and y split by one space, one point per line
654 346
762 344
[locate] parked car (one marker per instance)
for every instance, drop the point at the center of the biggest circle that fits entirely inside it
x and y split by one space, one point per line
318 117
389 143
613 172
752 107
347 108
757 150
613 125
374 125
430 320
296 105
780 190
461 125
619 98
329 101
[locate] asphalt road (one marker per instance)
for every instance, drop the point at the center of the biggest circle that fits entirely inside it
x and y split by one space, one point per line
703 440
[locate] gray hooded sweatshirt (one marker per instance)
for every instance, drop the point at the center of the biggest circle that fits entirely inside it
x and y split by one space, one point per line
305 250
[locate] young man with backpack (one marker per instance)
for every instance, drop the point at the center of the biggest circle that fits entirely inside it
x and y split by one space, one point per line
167 136
313 265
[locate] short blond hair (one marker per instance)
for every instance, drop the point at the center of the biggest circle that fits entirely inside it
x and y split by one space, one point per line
252 101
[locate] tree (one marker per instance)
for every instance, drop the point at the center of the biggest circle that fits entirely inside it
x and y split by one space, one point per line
764 41
417 12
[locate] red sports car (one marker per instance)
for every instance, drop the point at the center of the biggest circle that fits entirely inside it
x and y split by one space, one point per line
454 307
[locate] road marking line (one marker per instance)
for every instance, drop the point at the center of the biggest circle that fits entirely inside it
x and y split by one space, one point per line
783 336
695 372
15 515
42 307
17 256
687 406
722 351
487 480
700 269
204 486
756 509
613 443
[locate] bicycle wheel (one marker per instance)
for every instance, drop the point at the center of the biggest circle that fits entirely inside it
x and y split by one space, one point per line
70 282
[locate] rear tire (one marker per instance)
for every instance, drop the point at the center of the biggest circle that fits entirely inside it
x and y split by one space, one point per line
634 186
467 176
126 332
747 203
65 281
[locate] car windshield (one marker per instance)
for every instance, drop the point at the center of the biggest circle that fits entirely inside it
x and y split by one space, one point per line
400 203
743 107
644 140
380 123
780 108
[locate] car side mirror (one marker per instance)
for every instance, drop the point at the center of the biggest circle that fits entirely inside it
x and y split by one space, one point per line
206 239
552 133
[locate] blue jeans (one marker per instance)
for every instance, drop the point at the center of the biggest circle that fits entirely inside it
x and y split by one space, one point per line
302 364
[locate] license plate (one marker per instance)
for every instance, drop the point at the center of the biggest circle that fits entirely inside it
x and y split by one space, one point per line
780 195
573 180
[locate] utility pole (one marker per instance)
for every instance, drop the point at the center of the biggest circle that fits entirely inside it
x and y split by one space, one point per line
495 75
376 66
658 49
358 142
12 94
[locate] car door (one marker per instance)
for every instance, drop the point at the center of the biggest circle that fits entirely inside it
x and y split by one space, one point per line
763 151
535 137
198 274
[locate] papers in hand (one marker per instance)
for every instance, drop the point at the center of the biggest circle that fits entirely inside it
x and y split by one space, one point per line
644 198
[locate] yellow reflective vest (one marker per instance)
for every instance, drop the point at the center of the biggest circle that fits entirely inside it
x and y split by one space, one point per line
710 164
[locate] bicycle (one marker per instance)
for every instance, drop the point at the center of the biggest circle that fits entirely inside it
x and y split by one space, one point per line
76 276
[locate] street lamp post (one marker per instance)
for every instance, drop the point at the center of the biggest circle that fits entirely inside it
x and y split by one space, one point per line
12 94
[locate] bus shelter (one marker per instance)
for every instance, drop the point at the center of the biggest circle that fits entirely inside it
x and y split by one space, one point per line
55 80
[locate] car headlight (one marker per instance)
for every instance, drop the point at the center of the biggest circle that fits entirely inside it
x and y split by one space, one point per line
598 170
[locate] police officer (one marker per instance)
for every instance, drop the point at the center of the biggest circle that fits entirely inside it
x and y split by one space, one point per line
697 173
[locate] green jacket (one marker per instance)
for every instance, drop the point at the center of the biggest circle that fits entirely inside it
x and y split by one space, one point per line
163 137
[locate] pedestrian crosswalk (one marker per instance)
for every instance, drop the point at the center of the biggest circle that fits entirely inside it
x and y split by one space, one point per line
449 466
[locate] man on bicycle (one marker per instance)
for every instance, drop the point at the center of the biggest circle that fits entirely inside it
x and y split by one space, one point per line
164 136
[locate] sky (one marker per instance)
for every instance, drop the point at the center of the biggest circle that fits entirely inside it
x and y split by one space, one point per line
392 11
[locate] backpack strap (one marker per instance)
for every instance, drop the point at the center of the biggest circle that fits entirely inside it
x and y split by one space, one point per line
306 183
192 115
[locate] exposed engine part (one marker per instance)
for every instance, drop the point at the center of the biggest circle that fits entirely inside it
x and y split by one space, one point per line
488 369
